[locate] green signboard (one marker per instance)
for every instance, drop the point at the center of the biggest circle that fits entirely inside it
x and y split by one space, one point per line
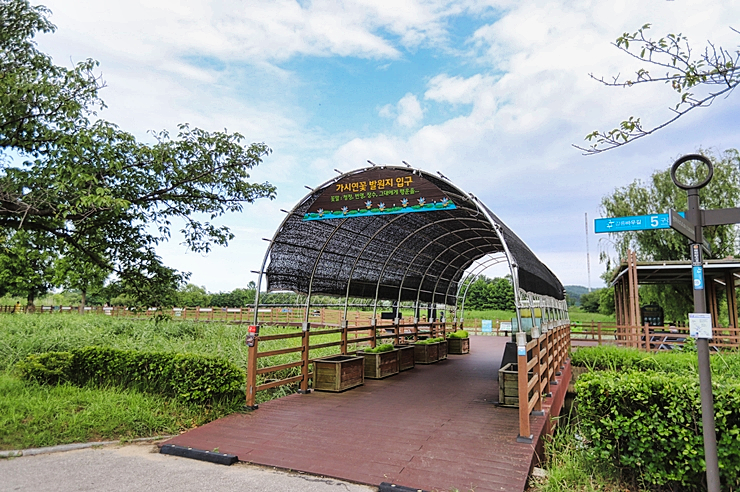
378 191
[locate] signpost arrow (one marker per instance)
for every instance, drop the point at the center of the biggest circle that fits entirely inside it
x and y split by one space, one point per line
681 225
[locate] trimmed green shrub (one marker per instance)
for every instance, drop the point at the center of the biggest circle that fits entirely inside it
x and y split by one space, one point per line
49 368
386 347
458 334
191 378
622 359
649 424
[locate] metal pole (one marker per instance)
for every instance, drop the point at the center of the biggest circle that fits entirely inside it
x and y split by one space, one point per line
694 215
702 349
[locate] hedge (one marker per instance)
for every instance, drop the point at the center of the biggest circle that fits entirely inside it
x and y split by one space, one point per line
677 362
189 377
649 424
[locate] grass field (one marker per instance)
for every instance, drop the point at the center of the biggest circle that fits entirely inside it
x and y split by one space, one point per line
37 415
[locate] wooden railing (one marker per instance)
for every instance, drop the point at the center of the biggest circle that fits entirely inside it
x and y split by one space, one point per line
350 339
657 338
538 362
599 332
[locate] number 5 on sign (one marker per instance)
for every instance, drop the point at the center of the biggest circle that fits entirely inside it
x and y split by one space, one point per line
653 221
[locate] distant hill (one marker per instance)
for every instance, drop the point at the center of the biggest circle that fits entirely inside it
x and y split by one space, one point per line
575 292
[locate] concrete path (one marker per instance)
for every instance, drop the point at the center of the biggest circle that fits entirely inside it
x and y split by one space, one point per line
140 467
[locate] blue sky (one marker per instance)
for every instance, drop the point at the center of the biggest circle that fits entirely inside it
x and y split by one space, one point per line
490 92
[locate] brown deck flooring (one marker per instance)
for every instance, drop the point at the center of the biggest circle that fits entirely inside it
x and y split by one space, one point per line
434 427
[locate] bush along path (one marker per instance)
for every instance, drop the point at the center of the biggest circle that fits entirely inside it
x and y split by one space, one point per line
96 393
642 414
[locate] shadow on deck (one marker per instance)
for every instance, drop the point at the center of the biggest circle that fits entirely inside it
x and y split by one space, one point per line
435 427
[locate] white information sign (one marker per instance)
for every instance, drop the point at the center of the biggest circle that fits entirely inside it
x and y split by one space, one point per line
700 325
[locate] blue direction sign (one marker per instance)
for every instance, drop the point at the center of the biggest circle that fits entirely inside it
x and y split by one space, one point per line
634 223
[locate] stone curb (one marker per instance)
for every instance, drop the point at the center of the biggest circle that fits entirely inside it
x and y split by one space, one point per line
71 447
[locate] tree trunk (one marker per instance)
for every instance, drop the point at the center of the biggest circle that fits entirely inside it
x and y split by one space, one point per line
82 302
30 308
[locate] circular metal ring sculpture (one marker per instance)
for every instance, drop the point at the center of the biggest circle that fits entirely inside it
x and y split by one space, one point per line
687 158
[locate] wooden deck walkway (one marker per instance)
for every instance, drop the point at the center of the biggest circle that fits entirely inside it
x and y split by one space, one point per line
434 427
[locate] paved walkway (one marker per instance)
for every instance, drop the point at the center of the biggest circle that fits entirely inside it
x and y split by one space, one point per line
140 467
434 427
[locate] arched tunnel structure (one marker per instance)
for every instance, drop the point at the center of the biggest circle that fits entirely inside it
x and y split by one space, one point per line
394 233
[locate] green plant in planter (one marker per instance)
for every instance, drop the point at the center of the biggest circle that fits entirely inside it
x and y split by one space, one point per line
385 347
430 340
458 334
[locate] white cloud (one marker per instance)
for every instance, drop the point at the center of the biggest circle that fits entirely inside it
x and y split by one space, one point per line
457 90
410 112
505 113
407 112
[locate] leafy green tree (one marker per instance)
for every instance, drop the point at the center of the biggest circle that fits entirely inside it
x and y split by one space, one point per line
94 187
191 295
26 266
606 301
235 298
696 80
590 301
74 270
660 194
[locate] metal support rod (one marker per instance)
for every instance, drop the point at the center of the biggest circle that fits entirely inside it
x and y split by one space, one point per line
705 372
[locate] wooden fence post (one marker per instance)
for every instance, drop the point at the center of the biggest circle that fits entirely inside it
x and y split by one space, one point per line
252 374
647 338
525 434
598 327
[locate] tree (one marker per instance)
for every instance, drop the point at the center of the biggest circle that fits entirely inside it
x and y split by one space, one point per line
660 195
193 295
26 266
94 187
590 301
74 270
698 81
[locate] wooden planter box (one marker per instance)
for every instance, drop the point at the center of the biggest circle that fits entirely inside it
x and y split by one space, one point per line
443 350
405 357
338 373
458 346
380 365
426 353
508 385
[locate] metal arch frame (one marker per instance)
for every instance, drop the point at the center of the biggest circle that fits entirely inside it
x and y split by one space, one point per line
481 267
426 272
441 275
463 268
357 259
279 230
370 240
316 264
421 282
513 267
436 240
403 241
469 203
408 267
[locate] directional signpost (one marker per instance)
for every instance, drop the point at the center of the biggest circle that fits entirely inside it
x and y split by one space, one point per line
690 225
633 223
